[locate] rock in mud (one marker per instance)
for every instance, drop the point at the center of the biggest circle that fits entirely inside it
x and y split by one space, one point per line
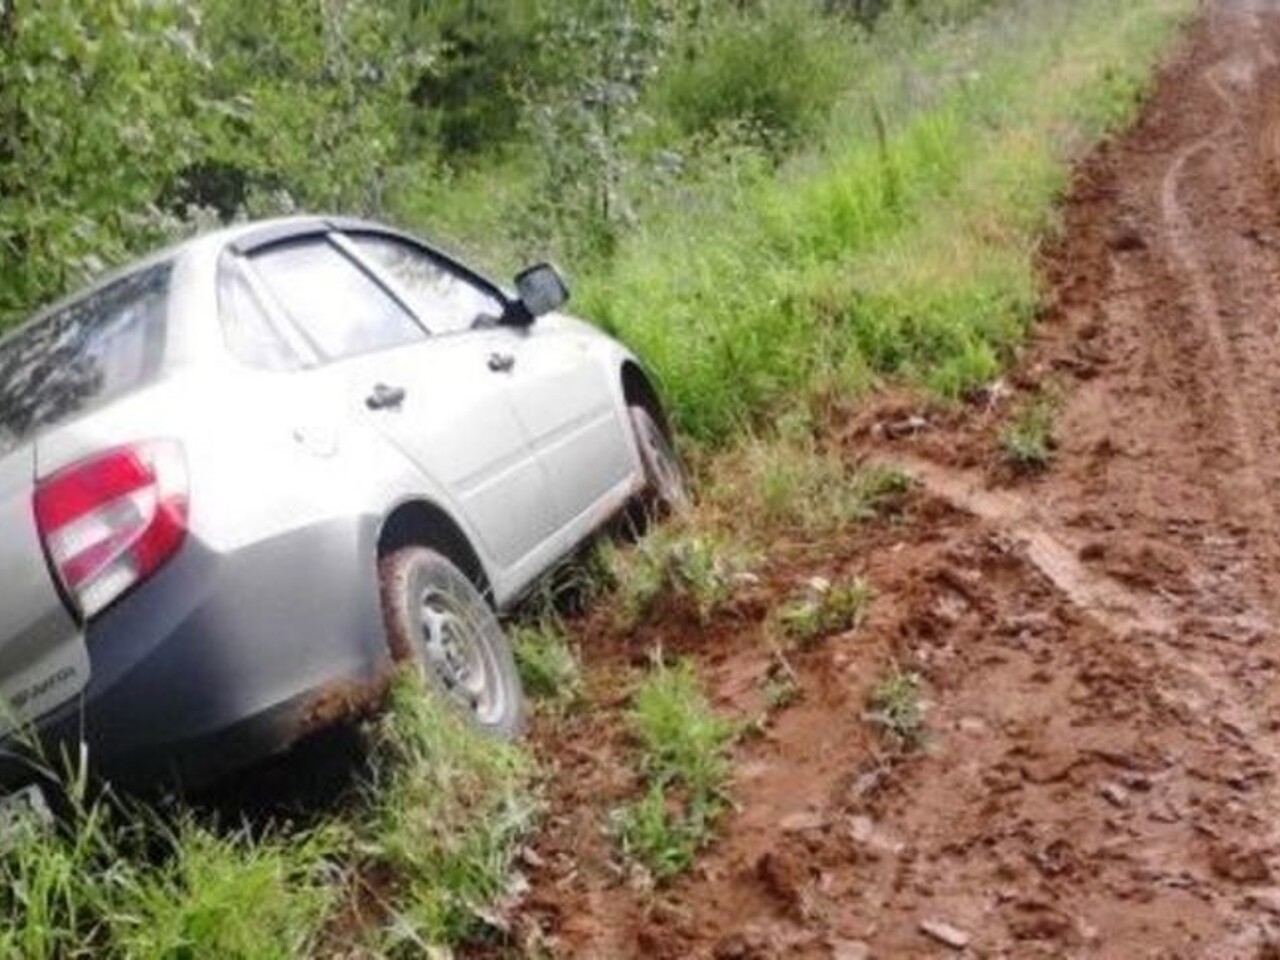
802 822
783 879
1115 794
945 933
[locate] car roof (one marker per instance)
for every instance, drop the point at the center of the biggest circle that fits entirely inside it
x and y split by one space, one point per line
242 237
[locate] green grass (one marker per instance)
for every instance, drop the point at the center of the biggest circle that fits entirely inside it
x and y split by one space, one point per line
227 896
447 809
548 664
781 686
671 564
823 609
896 707
121 882
1027 444
682 754
442 815
906 255
782 486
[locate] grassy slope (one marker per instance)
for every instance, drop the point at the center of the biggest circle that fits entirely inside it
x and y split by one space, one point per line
747 291
911 255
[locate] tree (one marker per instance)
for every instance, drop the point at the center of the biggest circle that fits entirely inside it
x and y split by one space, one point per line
96 105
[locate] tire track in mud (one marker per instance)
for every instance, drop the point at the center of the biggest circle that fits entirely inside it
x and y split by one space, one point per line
1241 68
1119 610
1244 352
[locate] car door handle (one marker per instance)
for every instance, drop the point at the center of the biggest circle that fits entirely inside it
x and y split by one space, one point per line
501 362
384 397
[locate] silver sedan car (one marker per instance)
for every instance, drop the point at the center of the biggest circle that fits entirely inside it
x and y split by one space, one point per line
242 478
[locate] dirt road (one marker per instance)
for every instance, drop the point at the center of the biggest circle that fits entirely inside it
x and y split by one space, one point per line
1099 643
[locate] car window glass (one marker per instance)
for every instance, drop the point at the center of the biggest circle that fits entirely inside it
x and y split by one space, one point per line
83 355
444 301
334 303
250 334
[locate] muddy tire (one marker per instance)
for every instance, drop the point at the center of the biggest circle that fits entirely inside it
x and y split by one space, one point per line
437 619
666 486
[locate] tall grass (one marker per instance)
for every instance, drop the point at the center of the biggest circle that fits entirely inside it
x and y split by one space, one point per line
902 243
438 821
448 809
122 882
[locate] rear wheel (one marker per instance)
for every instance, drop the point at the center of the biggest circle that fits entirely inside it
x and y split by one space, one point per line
437 619
667 489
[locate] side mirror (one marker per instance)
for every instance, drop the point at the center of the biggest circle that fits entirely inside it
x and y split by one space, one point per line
541 289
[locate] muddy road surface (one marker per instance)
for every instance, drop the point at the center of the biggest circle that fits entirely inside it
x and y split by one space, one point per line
1098 642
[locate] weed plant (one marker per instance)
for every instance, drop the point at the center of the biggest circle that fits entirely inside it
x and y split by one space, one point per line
683 758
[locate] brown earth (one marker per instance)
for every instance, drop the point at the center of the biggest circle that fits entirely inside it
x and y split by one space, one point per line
1098 641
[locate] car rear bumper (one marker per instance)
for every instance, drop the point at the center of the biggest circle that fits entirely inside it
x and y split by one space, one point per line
221 659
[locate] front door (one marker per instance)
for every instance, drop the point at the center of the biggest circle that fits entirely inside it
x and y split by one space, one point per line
561 393
564 396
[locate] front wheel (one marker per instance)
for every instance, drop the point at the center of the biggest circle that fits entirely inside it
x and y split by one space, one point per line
436 618
666 488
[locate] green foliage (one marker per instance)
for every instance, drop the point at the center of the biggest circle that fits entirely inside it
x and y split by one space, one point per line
900 243
302 107
449 807
81 151
1028 443
549 667
117 882
661 834
581 125
823 609
442 813
228 896
126 122
469 94
773 71
683 757
681 740
870 12
786 485
897 709
703 570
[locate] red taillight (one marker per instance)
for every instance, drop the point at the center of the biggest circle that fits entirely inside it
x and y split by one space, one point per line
110 521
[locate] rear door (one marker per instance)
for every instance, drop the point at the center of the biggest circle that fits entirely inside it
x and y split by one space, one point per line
432 396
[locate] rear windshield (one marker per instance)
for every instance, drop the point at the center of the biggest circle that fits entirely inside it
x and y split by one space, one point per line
83 355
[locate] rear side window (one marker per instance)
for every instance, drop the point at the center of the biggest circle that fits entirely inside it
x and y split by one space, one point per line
84 355
444 300
335 304
248 329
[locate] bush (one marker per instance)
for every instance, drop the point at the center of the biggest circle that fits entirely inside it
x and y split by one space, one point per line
777 72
